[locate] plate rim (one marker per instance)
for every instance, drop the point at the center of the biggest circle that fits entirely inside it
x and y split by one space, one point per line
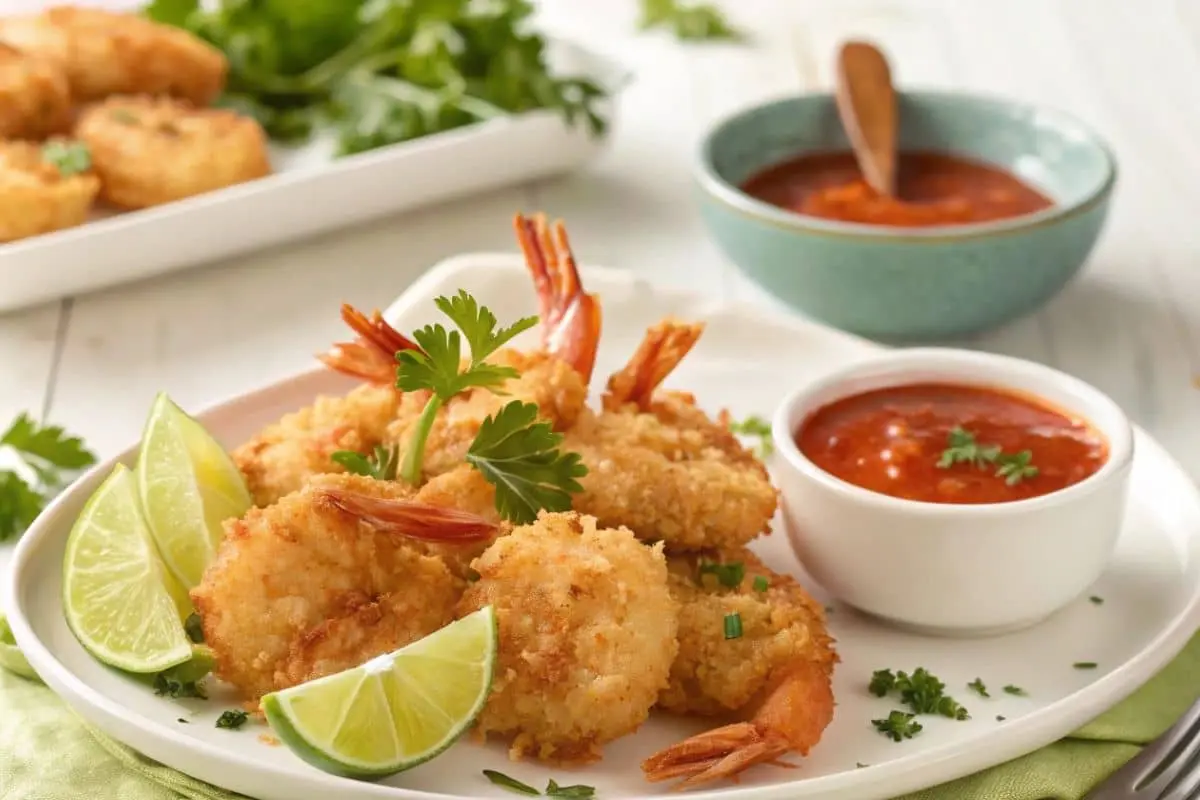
947 762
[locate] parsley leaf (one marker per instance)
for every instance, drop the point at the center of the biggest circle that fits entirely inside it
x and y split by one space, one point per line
381 464
1016 467
69 157
167 685
729 575
51 455
520 457
232 719
898 726
578 791
1085 665
882 682
922 692
962 448
1015 691
512 784
761 584
688 21
755 426
1096 600
978 687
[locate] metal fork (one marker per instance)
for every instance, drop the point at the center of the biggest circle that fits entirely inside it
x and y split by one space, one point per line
1167 769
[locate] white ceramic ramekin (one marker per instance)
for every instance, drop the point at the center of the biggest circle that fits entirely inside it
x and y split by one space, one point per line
965 570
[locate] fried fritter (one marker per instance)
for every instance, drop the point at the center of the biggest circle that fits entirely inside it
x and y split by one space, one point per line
149 151
36 197
587 635
35 99
310 586
105 53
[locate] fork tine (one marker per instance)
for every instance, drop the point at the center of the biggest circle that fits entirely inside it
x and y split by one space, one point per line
1147 774
1186 783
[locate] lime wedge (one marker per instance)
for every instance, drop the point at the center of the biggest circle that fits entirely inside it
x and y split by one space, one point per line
113 591
11 657
395 711
189 485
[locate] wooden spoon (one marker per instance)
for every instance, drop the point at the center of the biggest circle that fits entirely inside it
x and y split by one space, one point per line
866 103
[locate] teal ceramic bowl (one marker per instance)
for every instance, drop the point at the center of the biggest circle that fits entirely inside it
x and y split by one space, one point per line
911 284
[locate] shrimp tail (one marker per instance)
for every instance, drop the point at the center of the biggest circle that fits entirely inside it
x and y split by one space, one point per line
571 318
663 347
372 355
414 520
791 718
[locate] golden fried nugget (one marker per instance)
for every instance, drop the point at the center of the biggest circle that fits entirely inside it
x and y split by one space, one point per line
36 196
35 99
150 151
105 53
587 635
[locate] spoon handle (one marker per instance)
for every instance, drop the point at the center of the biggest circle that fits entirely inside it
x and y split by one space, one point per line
866 102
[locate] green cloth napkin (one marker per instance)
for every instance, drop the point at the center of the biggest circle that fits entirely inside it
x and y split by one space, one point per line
49 753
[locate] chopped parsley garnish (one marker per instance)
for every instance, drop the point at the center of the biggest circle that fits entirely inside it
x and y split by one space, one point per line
512 784
232 719
514 451
1085 665
68 157
381 464
578 791
689 21
729 575
922 692
860 765
898 726
755 427
1016 691
167 685
1000 718
520 457
733 626
761 584
49 459
1096 600
962 448
978 687
194 628
182 721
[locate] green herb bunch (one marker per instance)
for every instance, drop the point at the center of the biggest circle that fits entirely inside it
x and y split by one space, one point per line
377 72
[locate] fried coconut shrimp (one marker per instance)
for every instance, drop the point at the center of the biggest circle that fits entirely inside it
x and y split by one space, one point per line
282 457
39 196
105 52
35 99
777 672
587 635
149 151
662 467
323 581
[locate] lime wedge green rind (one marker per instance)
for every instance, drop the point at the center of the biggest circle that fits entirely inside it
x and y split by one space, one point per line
189 486
113 593
11 657
396 711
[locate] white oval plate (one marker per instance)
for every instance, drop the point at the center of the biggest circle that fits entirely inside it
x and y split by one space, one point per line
747 361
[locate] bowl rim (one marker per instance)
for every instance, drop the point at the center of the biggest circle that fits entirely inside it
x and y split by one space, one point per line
713 184
1093 402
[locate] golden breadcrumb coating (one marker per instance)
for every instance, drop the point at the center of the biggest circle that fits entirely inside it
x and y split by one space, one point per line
105 52
671 473
35 99
303 589
282 457
780 626
587 635
149 151
35 197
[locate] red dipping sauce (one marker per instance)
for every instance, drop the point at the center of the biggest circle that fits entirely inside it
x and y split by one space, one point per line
933 189
949 443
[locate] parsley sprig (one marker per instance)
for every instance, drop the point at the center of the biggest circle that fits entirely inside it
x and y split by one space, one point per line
68 157
381 464
553 789
51 458
437 366
688 20
962 448
520 457
921 691
898 726
755 427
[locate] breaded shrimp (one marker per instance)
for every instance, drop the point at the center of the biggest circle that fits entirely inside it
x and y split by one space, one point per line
35 99
37 196
284 455
660 466
311 585
106 52
777 672
149 151
587 635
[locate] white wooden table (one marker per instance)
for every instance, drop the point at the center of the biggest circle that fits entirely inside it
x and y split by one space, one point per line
1131 324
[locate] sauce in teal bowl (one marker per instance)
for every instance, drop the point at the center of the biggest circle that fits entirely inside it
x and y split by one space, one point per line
911 283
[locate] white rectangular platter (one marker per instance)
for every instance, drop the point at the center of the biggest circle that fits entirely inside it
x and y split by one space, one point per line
310 193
